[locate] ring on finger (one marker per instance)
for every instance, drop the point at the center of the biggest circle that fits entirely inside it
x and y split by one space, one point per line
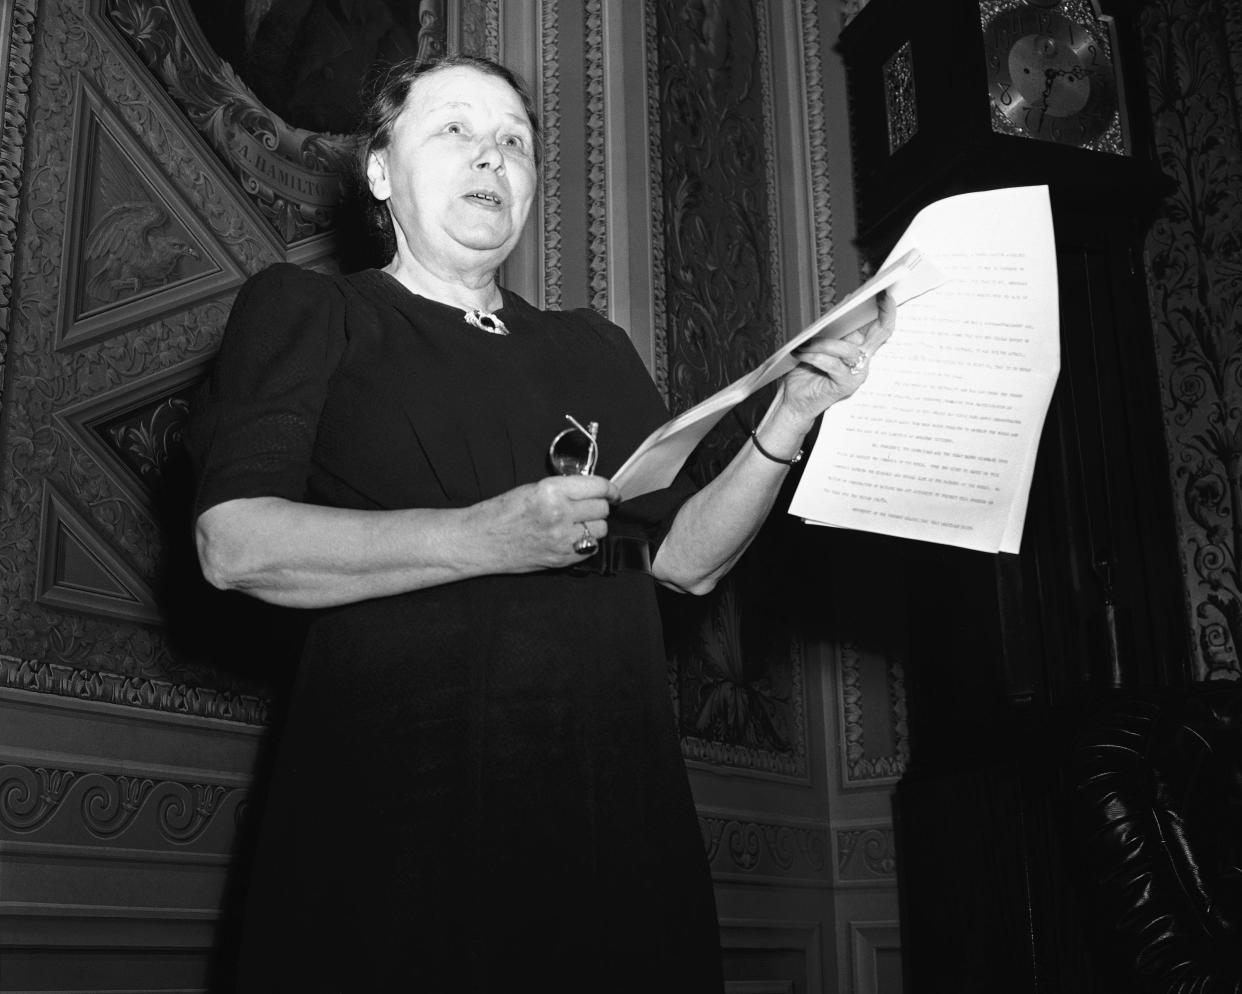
587 543
859 364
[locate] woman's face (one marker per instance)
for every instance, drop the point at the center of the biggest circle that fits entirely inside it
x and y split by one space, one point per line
459 173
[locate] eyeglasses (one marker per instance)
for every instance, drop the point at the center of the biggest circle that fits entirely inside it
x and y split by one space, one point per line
575 451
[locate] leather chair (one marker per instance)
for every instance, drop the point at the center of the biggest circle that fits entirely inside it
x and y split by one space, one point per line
1157 815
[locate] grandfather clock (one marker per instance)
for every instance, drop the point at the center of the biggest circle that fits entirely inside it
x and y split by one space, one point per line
1009 651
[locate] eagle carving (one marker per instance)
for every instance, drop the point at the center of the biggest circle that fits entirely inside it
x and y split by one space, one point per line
134 252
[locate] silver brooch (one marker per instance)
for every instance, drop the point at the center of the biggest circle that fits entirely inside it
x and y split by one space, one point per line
486 321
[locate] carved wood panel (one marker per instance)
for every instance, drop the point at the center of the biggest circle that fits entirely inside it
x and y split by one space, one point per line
738 682
131 241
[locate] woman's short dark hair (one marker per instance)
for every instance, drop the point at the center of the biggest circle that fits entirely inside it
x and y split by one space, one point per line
384 95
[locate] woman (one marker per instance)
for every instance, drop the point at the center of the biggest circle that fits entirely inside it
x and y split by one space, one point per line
479 783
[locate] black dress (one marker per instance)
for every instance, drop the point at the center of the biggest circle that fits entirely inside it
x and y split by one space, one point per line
479 785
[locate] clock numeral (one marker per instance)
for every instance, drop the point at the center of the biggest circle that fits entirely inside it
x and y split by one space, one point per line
1095 55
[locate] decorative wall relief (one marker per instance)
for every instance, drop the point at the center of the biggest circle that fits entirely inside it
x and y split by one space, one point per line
95 387
16 51
550 179
850 9
89 807
597 160
291 153
80 571
818 149
900 99
479 27
81 683
737 671
875 745
743 848
134 248
866 855
655 179
133 433
1194 255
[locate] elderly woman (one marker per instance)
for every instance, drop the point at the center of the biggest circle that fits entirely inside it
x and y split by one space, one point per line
479 785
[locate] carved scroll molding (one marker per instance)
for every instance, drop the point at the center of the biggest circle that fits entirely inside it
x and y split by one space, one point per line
17 21
865 855
740 847
71 806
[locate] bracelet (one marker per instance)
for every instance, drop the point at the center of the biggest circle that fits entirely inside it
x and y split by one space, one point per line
797 456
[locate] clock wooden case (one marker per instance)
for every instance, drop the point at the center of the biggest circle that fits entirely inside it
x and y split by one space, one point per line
1009 651
956 95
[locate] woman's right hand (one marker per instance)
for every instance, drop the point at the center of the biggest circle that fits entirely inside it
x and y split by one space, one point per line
535 526
304 555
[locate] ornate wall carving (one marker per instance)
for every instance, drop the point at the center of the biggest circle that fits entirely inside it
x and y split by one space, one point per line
817 140
103 687
85 806
16 51
597 164
74 355
747 848
737 667
849 8
655 180
866 855
862 691
132 242
1194 257
479 27
291 173
550 180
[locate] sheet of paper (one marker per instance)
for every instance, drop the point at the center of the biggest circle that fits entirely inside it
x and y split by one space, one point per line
657 460
940 443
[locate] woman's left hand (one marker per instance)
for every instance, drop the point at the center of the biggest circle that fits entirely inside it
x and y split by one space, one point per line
831 369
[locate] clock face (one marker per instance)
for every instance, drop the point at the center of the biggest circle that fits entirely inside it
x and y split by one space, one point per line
1048 77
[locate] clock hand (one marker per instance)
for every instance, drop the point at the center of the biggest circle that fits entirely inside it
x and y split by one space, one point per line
1050 75
1076 72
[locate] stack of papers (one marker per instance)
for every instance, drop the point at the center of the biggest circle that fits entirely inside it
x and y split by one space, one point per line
939 444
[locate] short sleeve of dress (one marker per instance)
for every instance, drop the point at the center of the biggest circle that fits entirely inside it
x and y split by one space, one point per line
654 511
252 428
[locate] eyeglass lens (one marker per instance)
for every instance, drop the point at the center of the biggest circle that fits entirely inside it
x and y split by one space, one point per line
574 451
